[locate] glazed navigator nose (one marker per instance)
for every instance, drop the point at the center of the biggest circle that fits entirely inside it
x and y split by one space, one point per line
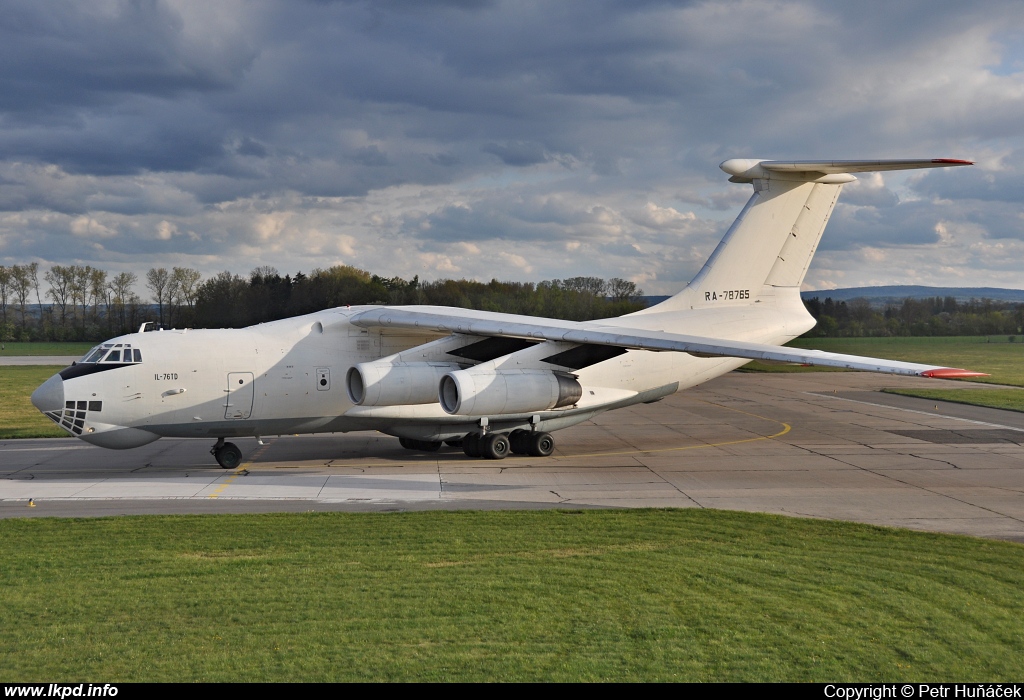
50 395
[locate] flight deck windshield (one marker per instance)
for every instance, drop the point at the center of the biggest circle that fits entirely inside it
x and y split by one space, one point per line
120 353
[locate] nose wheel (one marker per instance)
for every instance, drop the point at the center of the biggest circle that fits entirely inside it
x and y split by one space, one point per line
227 454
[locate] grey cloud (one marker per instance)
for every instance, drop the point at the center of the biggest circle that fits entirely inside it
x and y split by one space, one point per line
48 188
371 156
866 194
209 114
910 223
517 153
445 160
1003 185
455 223
999 220
251 147
68 53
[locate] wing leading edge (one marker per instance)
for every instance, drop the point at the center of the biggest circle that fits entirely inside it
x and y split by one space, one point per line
484 323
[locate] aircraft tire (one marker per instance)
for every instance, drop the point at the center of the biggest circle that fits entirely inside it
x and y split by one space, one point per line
541 444
228 456
519 442
471 445
494 446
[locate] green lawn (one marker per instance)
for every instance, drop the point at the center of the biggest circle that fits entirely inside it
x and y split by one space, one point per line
1009 399
637 595
1002 360
63 349
18 417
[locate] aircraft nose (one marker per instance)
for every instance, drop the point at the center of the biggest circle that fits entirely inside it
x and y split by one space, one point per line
50 395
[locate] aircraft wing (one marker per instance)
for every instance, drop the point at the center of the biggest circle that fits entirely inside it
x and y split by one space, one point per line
485 323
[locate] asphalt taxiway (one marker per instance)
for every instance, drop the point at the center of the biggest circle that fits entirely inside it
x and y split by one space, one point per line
824 445
51 360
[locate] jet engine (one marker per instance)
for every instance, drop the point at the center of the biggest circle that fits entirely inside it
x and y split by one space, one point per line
393 384
471 392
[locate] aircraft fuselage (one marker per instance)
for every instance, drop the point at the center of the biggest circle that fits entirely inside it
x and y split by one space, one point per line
288 377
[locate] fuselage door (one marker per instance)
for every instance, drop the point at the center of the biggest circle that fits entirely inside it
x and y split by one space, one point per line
241 391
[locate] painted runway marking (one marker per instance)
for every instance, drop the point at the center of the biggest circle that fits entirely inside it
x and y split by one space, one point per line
786 427
242 469
912 410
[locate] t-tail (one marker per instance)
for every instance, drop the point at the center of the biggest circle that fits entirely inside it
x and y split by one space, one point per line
769 247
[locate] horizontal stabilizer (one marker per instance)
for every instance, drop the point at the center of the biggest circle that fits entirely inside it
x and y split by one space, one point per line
858 166
745 169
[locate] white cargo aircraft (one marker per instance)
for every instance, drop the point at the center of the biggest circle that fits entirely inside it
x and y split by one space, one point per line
490 382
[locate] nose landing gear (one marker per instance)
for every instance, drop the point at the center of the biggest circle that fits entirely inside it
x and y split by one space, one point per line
227 454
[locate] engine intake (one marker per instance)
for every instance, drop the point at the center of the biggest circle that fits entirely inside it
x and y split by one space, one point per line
470 392
394 384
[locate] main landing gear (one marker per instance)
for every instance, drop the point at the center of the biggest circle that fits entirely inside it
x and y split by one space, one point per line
227 454
498 445
491 445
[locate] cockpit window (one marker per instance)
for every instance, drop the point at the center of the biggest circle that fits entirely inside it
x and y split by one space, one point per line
109 352
96 353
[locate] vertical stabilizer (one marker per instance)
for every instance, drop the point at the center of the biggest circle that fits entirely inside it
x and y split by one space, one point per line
795 257
774 238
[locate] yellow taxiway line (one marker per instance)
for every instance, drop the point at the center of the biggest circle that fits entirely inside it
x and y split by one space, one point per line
786 427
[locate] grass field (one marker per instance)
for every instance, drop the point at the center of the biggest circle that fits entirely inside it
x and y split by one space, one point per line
18 417
64 349
1007 399
1003 360
688 595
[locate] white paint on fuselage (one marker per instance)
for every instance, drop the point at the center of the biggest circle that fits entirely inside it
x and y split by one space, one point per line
182 389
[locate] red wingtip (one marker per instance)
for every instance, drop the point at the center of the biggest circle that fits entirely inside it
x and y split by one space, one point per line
952 161
951 373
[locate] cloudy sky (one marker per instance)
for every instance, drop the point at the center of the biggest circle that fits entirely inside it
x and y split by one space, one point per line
512 140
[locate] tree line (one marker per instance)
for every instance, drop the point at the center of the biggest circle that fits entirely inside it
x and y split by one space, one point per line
230 301
80 302
934 316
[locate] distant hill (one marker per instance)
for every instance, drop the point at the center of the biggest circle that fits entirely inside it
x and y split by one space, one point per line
895 293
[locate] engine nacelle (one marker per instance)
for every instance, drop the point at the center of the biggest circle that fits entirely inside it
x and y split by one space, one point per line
395 384
470 392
